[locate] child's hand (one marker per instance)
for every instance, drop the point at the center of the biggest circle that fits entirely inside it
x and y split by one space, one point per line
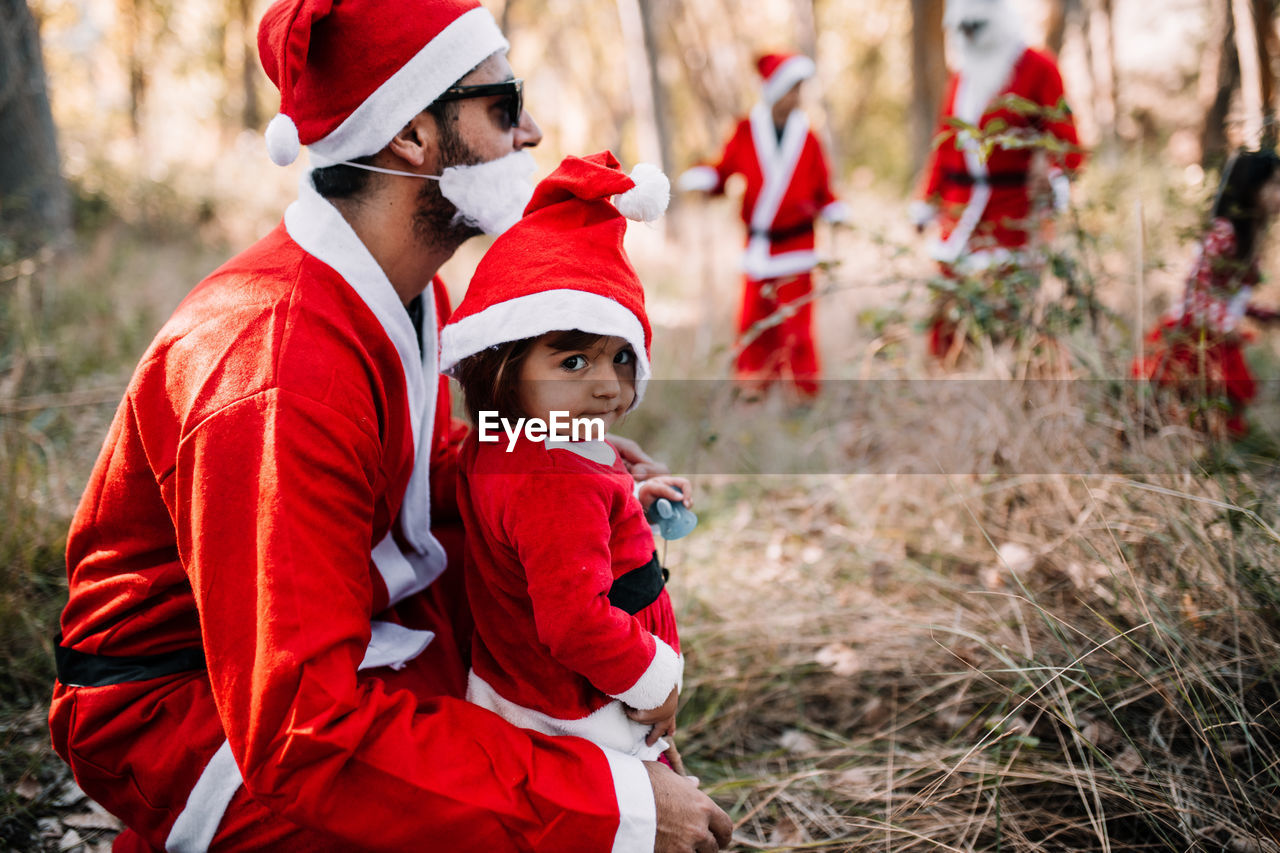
639 464
675 489
662 718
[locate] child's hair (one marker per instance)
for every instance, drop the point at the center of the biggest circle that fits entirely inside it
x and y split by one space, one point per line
490 378
1237 200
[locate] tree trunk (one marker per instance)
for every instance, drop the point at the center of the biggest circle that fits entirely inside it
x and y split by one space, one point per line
1253 37
251 114
642 71
1213 134
650 10
34 205
1100 47
928 75
1061 12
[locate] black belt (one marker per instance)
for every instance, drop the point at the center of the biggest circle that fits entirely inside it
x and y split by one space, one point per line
639 588
1000 179
80 669
780 234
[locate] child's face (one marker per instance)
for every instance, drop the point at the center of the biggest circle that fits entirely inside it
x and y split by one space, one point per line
599 382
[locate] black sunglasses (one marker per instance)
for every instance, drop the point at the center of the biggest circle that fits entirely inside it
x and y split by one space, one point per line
511 90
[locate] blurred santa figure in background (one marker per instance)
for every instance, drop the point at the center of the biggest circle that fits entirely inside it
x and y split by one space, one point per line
1006 140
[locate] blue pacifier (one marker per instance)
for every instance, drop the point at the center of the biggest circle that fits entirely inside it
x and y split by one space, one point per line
673 519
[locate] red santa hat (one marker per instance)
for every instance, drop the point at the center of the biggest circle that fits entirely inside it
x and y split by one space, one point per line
781 71
352 73
563 266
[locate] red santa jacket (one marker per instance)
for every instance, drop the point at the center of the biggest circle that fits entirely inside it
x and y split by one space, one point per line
550 531
984 206
788 186
246 501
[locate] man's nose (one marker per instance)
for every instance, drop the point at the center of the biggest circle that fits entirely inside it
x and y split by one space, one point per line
527 134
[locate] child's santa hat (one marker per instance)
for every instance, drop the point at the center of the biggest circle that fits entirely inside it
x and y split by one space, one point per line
352 73
781 71
563 266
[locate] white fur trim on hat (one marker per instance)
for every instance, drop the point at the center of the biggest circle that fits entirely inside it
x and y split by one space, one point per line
786 75
536 314
469 40
648 199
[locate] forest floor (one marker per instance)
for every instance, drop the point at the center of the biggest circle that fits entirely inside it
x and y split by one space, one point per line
1004 604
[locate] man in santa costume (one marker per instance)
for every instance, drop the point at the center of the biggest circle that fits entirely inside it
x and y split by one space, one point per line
788 187
983 203
264 644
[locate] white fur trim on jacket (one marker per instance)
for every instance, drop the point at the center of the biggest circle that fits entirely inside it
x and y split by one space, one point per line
637 812
538 313
199 819
665 673
469 40
777 161
608 727
320 230
785 76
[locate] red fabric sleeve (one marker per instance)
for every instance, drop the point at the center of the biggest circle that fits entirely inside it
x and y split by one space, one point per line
275 528
732 158
563 544
820 173
1052 95
931 185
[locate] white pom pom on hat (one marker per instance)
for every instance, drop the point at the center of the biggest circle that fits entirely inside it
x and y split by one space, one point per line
282 140
648 199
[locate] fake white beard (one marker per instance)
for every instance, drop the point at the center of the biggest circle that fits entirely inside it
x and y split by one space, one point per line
490 196
985 63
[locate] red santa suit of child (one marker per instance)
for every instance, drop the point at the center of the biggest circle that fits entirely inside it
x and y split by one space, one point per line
788 187
261 646
572 620
984 206
1198 347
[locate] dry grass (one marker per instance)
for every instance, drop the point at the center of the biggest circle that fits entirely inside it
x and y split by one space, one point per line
955 615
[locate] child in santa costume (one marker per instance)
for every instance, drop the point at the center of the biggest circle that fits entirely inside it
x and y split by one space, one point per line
263 647
574 630
788 187
983 202
1196 352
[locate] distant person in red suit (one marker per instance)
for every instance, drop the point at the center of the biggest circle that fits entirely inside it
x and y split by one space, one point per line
985 207
788 187
1197 349
575 634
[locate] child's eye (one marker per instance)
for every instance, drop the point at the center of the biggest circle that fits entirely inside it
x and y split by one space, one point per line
574 362
625 356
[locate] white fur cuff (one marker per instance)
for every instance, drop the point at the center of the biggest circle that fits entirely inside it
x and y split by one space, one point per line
665 673
701 179
921 213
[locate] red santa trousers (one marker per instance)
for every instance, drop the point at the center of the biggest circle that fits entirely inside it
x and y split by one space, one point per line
777 316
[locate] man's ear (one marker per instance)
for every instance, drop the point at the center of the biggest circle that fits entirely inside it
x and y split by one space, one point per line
416 141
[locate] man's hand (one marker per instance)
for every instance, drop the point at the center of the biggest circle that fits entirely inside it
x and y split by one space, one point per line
638 463
687 818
